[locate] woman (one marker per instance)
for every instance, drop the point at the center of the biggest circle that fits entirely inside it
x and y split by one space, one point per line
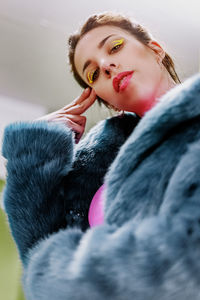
127 46
148 244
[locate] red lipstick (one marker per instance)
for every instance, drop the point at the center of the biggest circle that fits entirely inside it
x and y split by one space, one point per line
121 81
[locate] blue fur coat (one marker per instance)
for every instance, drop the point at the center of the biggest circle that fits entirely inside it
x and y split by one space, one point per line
149 245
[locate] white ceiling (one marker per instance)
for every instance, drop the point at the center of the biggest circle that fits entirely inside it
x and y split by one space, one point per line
33 42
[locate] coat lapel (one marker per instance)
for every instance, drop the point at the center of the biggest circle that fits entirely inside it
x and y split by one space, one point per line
180 104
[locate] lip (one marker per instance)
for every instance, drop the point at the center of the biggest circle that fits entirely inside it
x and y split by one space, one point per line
117 79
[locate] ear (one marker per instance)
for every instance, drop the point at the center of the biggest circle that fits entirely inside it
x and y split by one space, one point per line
158 50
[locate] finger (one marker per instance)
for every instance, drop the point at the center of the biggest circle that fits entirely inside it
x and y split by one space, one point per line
86 93
81 120
72 125
78 130
75 127
83 106
78 100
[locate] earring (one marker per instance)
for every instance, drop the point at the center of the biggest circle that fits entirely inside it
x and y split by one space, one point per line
113 107
121 114
160 63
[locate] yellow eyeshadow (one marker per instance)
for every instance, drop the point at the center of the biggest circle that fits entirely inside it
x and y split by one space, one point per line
118 42
90 74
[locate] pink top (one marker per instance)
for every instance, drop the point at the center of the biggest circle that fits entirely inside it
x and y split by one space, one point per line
96 215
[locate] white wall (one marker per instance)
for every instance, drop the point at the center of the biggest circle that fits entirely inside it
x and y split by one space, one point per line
12 110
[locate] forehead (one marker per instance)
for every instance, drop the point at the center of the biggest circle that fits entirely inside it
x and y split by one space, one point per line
88 44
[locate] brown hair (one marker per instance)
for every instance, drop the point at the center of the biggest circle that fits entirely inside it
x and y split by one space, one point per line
139 32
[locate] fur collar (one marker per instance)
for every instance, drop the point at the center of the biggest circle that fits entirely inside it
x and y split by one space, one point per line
179 105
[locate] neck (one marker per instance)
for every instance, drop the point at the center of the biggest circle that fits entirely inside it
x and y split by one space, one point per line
166 83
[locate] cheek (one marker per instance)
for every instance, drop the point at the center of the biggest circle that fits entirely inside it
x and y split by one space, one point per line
104 91
150 71
107 96
146 58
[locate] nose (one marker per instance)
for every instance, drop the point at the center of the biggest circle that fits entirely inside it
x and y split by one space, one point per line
108 69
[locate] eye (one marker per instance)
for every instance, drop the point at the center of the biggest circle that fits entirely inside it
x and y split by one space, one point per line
117 45
95 74
92 76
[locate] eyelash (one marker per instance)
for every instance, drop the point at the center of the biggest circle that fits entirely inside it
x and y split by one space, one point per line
96 72
115 48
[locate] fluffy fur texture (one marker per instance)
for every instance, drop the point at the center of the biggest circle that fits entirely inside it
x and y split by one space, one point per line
149 245
51 181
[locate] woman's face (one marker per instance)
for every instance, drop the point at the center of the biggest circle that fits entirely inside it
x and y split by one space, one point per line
121 70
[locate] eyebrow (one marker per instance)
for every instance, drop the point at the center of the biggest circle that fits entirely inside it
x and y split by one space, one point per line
100 45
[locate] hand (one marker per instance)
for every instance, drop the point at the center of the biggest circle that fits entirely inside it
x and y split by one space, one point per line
70 114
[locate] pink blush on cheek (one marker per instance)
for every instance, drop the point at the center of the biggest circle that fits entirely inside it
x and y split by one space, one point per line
144 105
96 214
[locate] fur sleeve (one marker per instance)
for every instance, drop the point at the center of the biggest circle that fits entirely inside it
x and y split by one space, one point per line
50 186
38 155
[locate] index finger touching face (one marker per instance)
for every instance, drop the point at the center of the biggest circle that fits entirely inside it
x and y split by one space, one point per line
89 100
85 94
83 106
93 95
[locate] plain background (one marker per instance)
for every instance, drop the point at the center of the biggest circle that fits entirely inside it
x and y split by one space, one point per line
34 69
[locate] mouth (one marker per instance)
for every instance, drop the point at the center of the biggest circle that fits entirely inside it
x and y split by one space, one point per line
121 81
